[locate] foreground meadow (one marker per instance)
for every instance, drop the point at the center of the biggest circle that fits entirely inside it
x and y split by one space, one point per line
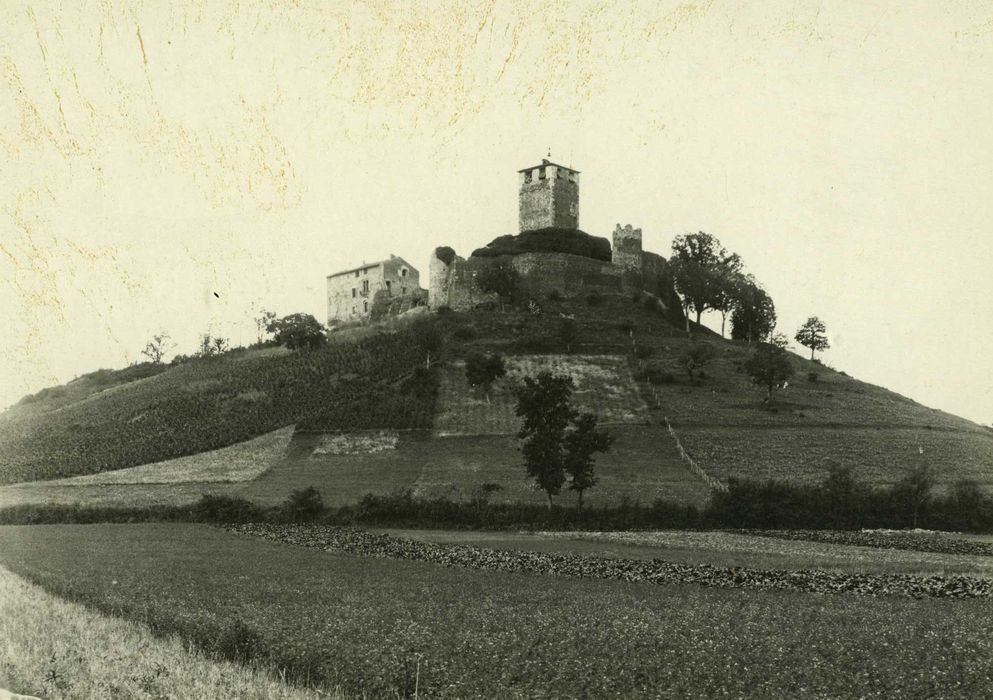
384 627
60 650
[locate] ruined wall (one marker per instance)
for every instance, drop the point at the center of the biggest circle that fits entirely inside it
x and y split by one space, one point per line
548 198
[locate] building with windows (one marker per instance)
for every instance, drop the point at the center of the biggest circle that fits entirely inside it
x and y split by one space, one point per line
351 293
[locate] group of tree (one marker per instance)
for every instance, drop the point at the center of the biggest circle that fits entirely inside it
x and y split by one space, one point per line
557 441
708 277
481 371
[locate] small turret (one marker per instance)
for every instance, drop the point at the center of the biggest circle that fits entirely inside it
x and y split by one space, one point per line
626 253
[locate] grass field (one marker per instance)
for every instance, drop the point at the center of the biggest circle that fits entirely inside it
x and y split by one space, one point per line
373 626
61 650
642 466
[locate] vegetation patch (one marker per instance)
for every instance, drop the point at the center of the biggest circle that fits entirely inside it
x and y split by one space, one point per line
243 461
548 240
604 386
887 539
382 627
63 651
357 443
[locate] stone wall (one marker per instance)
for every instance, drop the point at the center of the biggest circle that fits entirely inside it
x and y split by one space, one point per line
351 293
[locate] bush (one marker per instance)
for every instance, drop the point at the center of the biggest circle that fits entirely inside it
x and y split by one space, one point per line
226 509
812 376
594 299
555 295
465 333
303 505
548 240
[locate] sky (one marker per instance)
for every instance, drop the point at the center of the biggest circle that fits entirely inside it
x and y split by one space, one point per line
178 166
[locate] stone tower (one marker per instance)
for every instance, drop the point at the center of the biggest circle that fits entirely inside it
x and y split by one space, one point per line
549 197
626 253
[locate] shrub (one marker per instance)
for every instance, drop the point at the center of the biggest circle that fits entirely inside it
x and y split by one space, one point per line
594 299
812 376
465 333
226 509
304 505
548 240
555 295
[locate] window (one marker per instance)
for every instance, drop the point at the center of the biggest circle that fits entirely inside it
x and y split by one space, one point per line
365 286
365 271
403 291
365 306
389 288
353 292
356 273
541 173
403 272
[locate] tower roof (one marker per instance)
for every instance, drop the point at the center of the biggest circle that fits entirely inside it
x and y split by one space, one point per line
545 161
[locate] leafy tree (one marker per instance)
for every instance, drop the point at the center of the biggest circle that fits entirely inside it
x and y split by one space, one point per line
482 370
158 347
262 322
754 314
567 332
500 279
769 367
581 443
701 270
726 289
696 356
841 496
812 335
211 345
914 491
543 403
297 331
304 504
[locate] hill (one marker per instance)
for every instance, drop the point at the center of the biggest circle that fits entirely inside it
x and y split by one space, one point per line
368 420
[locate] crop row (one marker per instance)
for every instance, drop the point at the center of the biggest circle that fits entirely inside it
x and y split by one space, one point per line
655 571
210 403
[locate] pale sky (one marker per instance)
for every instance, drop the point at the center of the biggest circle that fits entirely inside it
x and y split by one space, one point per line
155 154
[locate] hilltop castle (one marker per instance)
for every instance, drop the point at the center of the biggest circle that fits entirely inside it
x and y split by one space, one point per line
550 253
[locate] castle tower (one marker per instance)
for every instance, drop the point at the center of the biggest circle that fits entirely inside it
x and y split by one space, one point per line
549 197
626 253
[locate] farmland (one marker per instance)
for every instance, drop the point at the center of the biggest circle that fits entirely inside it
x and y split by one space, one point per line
374 626
208 403
61 650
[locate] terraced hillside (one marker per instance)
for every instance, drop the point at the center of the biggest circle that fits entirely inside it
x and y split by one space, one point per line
369 421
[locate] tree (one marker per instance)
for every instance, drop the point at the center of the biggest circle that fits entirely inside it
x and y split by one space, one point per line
482 370
262 323
211 345
158 347
581 443
754 314
726 295
769 367
701 267
812 335
297 331
429 338
913 491
696 356
567 332
543 403
500 279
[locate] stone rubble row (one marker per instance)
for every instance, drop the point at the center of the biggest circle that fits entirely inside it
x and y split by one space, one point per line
363 543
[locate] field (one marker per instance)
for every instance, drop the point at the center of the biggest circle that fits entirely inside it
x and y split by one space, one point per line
208 403
63 651
382 626
604 386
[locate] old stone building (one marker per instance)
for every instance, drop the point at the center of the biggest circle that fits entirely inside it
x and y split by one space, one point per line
352 293
548 197
549 217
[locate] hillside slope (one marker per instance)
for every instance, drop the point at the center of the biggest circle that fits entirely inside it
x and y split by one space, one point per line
446 439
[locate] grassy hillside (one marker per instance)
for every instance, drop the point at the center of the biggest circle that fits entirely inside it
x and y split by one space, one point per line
448 439
209 403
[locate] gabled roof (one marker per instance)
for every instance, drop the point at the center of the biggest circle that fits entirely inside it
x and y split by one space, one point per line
545 162
369 266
